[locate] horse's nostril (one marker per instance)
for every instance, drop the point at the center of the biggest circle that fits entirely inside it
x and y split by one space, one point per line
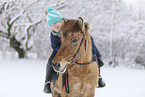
57 65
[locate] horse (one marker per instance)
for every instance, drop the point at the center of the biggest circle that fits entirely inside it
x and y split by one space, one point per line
78 74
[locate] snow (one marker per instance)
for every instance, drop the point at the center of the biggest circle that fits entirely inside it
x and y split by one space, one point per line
122 82
25 78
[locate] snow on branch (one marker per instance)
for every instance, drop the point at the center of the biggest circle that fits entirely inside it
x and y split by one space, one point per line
15 18
28 33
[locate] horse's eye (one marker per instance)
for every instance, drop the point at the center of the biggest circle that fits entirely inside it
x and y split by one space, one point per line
74 40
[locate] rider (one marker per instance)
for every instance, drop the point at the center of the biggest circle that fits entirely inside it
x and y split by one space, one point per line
54 21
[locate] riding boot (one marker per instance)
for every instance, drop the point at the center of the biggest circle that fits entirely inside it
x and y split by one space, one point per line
101 83
49 73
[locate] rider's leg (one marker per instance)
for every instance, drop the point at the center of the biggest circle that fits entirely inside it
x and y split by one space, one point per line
49 73
101 83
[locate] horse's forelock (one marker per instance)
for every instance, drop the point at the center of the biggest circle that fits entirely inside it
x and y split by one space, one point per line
70 26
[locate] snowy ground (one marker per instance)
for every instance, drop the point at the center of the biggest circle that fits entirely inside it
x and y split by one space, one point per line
25 78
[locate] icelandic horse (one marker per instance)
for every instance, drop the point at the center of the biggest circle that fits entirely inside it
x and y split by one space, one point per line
78 74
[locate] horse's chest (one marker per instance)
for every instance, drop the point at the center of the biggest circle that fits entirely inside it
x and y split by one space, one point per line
79 83
80 87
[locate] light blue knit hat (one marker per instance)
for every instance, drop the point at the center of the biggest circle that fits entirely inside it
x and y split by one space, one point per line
53 16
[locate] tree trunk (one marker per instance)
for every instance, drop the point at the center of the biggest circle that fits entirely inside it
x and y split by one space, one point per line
21 53
16 45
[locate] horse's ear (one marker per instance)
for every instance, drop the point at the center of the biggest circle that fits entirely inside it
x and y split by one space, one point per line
62 21
81 22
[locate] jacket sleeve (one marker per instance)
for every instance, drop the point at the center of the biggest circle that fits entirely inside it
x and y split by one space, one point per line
55 42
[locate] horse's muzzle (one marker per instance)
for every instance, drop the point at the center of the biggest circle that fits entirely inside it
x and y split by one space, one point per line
60 67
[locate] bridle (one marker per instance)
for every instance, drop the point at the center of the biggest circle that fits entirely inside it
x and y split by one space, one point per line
72 59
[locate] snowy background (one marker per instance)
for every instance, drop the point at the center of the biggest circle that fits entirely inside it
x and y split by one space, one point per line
25 78
118 29
117 26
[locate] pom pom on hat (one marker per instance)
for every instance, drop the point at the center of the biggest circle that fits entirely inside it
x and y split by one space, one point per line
50 9
53 16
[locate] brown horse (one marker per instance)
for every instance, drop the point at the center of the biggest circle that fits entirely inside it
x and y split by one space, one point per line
74 58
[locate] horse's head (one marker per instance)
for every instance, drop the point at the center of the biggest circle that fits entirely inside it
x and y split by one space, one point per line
73 35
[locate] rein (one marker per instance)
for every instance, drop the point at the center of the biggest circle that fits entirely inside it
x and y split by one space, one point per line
73 58
65 81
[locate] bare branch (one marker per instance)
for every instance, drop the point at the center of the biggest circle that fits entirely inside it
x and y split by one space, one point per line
3 34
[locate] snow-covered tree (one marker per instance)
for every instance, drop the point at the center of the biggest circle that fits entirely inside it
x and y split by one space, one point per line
18 33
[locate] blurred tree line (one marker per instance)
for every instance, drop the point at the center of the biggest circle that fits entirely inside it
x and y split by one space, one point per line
118 30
